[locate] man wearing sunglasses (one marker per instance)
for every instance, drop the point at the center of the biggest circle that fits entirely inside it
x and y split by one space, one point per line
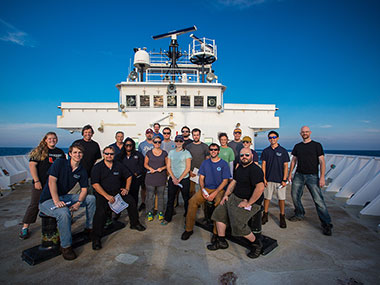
213 178
107 176
275 160
307 155
186 136
237 143
240 203
167 143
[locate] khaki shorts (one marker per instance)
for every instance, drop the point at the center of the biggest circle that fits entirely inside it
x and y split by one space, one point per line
273 187
230 214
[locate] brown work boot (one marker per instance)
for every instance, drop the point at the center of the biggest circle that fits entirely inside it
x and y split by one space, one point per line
68 253
282 221
264 219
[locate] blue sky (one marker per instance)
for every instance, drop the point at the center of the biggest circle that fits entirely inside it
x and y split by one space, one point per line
318 61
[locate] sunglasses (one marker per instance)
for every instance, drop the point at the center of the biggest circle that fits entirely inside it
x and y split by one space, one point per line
128 145
237 132
213 149
272 138
178 141
185 132
166 133
245 154
246 141
157 142
109 153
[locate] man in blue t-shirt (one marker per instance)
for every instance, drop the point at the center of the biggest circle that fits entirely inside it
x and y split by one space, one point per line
213 178
275 160
55 201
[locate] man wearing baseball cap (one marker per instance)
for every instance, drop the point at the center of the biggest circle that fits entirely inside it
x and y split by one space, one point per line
236 144
247 142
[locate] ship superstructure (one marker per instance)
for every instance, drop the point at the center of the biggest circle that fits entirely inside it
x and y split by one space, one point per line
175 89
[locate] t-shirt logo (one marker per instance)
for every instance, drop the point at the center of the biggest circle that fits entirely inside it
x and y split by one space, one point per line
278 153
51 160
135 157
116 173
76 176
218 168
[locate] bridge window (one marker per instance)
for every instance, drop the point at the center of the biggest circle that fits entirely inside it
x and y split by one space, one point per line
172 101
158 101
198 101
185 101
211 101
131 101
144 101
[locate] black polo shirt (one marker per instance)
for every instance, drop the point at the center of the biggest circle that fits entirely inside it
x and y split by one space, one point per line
66 178
275 159
308 157
112 179
246 179
134 163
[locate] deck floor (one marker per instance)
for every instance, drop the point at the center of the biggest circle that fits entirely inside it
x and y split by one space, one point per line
158 255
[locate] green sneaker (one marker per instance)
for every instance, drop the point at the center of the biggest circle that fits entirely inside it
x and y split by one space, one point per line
160 216
24 234
150 216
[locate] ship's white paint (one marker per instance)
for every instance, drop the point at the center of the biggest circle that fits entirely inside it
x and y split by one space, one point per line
13 169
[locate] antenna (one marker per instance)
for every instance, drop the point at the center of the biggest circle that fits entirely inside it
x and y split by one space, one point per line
173 52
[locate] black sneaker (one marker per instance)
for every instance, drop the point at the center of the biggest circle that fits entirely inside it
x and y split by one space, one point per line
96 244
326 229
220 243
264 219
214 238
138 227
295 218
142 207
186 235
282 221
255 251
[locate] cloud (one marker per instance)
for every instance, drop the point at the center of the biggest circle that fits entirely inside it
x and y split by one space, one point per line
372 130
326 126
23 126
241 4
365 121
9 33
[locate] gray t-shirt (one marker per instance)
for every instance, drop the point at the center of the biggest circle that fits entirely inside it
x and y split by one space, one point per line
157 178
236 147
199 153
167 146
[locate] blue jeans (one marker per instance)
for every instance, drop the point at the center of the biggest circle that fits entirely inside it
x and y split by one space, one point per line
63 215
312 183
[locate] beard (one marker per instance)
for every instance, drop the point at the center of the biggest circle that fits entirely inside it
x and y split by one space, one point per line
245 162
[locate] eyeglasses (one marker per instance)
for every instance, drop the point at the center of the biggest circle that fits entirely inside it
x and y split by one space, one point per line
178 141
109 153
128 145
166 133
157 142
272 138
245 154
213 149
246 141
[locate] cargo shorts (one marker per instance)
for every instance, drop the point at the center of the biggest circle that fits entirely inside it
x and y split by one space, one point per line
231 215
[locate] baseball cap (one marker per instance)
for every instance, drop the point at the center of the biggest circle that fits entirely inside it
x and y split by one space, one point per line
149 131
247 138
178 138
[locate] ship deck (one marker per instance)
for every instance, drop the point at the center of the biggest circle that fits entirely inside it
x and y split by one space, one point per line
159 256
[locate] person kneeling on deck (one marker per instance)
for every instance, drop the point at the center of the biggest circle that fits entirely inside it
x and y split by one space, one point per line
107 179
213 177
240 203
55 202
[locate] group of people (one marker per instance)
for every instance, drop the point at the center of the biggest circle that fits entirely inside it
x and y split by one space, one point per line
227 174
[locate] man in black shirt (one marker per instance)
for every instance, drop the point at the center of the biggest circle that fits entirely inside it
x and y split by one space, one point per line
240 203
91 151
308 154
186 136
107 176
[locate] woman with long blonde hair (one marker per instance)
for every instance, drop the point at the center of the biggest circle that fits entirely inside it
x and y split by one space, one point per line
41 158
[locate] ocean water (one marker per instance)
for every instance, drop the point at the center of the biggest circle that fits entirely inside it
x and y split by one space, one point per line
24 150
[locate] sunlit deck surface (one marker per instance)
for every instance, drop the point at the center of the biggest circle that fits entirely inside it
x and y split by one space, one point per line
159 256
